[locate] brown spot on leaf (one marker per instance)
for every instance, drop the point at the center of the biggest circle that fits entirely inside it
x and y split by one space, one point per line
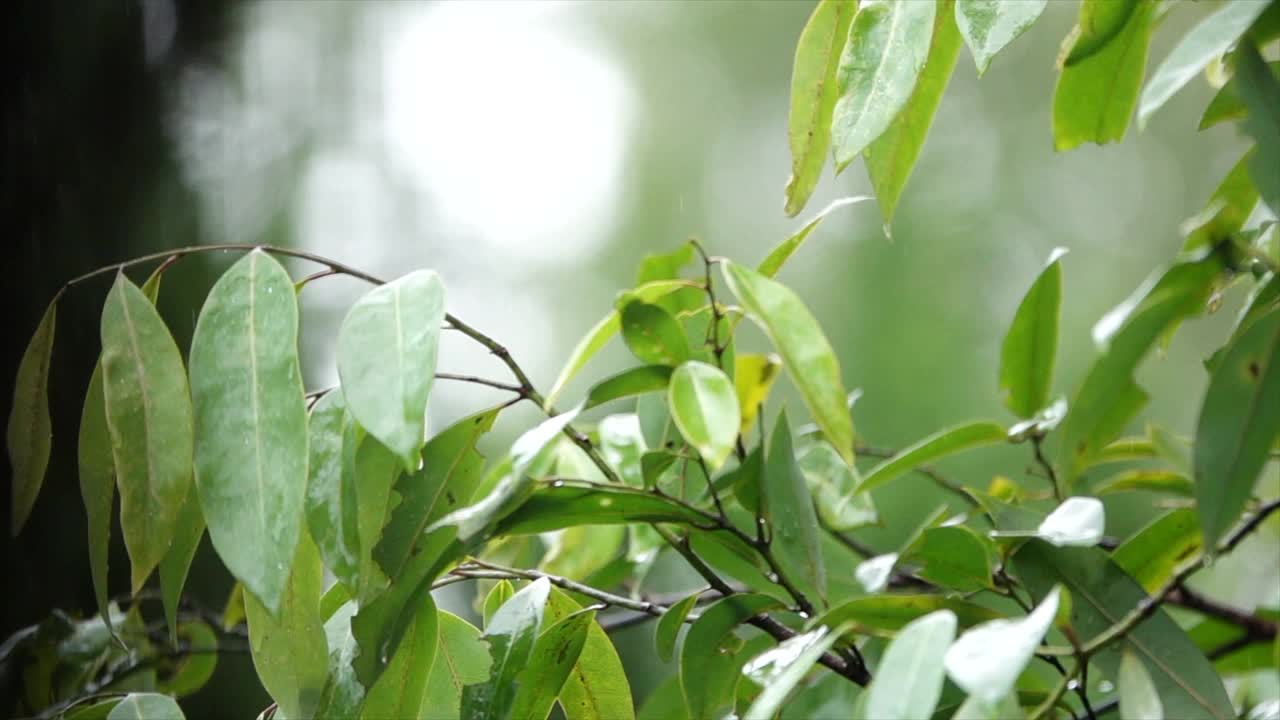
1253 369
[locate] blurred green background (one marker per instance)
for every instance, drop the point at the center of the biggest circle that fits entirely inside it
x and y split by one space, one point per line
533 153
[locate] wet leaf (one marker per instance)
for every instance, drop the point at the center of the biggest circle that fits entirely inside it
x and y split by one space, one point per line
554 656
941 444
402 689
909 678
1152 554
176 562
788 508
753 376
597 687
1031 345
636 381
704 406
709 666
511 637
988 26
668 626
987 660
332 503
30 431
783 668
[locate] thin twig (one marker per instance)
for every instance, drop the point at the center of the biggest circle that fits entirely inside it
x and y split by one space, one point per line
926 470
1050 473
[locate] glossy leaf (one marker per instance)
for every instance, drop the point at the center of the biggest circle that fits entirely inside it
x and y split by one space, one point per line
1258 88
30 431
891 157
1098 87
781 669
988 26
668 626
1146 480
653 334
597 687
387 359
1138 697
709 668
461 660
192 672
886 614
941 444
1100 23
402 689
813 96
622 444
1031 345
753 376
289 647
97 485
1152 554
376 471
909 678
1226 105
554 656
887 48
332 502
148 414
1101 594
176 562
1229 208
1238 424
836 489
146 706
251 423
1077 522
636 381
779 256
556 508
788 507
704 406
954 557
987 660
805 351
1206 42
343 693
499 594
873 574
511 638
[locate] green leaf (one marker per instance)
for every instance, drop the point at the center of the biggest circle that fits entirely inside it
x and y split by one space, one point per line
733 558
886 614
251 423
1226 104
97 486
887 48
779 256
91 710
753 376
891 157
30 430
176 562
554 656
332 502
1098 88
1152 554
813 96
1238 423
942 443
1031 345
1205 43
988 26
579 552
597 687
836 489
559 507
954 557
1101 594
499 594
974 708
622 445
709 667
636 381
149 418
1101 22
666 702
146 706
289 647
511 638
387 359
1260 88
653 335
704 406
788 508
191 672
461 659
1138 697
668 626
664 266
1227 210
402 689
909 681
603 331
343 694
987 660
1147 480
781 669
1108 397
376 471
805 351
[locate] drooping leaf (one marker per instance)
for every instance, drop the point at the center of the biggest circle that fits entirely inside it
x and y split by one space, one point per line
886 614
909 678
954 557
556 508
290 651
636 381
1101 594
940 444
146 706
511 638
554 655
1108 397
597 687
1138 697
176 562
251 423
1152 554
332 502
805 351
1259 88
1239 421
668 626
1098 87
30 431
988 26
190 673
653 335
97 486
709 666
1205 43
704 406
753 376
1226 105
781 669
891 157
836 489
887 48
779 256
788 508
813 96
987 660
1031 345
402 690
387 359
1077 522
461 660
376 471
